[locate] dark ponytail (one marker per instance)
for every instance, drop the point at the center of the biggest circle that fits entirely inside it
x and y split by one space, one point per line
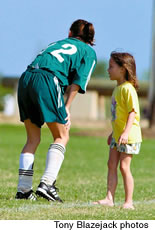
83 30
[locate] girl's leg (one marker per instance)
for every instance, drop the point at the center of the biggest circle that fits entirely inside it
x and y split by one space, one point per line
111 179
125 161
26 160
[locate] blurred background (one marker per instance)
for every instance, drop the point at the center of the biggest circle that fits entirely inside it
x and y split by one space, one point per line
28 26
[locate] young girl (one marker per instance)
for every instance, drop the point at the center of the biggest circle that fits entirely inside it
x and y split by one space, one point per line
125 140
40 98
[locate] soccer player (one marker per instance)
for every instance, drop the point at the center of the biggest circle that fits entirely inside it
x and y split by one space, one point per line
68 62
125 140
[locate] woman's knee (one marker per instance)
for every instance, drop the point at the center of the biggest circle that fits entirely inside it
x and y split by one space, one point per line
67 137
64 137
59 132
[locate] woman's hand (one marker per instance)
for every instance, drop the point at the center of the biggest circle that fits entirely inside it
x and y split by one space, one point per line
68 123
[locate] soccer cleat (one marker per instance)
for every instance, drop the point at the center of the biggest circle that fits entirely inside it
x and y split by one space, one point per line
48 192
28 195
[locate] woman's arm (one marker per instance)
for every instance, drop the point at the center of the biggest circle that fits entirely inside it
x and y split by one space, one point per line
73 90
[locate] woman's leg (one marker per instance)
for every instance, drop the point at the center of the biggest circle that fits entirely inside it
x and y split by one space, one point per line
33 137
54 160
26 160
125 161
55 155
112 178
60 133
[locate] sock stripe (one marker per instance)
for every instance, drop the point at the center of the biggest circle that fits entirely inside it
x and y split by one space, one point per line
26 172
58 147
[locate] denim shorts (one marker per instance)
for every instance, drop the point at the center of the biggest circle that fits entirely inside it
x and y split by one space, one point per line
126 148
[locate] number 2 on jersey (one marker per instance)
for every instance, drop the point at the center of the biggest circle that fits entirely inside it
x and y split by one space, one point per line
57 53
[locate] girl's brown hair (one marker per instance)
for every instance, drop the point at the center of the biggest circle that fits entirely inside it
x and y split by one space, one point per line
127 61
83 30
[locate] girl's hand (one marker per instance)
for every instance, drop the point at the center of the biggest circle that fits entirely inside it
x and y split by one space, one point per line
123 139
109 139
68 123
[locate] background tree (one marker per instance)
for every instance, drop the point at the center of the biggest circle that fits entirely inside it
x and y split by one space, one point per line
101 69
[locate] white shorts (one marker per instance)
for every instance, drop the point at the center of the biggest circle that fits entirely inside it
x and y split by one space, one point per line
126 148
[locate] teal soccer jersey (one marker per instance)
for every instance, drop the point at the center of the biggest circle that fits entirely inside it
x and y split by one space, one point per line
70 60
42 85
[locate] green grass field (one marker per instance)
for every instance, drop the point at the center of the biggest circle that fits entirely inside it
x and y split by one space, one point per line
82 179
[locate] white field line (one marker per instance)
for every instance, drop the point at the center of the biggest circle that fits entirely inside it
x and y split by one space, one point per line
33 206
